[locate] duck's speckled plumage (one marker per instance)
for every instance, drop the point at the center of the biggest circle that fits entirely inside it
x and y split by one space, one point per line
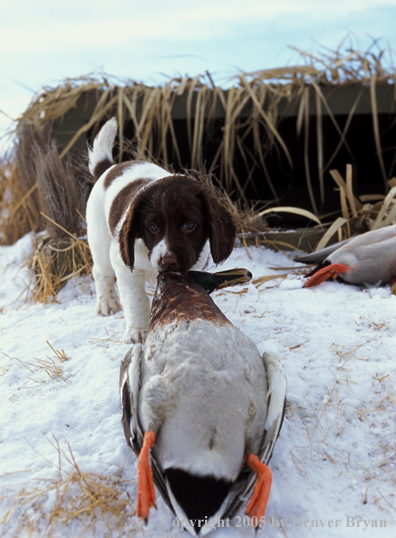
202 387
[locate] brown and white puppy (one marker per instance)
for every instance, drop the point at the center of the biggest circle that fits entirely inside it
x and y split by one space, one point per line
142 221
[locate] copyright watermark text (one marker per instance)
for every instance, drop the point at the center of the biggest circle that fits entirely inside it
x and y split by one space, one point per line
295 521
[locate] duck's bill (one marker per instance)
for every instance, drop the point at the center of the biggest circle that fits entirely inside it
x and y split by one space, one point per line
234 277
221 279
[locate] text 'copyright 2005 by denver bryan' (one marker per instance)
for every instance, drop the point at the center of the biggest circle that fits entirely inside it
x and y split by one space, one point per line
276 522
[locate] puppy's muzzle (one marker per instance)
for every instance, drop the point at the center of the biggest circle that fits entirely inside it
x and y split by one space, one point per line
169 263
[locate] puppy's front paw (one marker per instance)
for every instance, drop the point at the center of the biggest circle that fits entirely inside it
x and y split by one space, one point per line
135 336
107 306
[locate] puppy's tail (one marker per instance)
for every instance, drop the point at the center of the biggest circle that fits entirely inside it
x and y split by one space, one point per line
100 156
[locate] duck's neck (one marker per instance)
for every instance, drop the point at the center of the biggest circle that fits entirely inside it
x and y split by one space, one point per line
179 297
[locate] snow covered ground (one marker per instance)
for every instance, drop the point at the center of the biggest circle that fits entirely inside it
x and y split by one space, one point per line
334 465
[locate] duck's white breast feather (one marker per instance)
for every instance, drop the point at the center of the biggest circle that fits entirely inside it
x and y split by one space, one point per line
189 379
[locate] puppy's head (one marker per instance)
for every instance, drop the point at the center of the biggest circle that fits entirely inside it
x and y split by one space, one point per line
175 216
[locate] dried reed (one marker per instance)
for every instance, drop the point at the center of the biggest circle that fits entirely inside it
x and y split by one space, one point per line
359 215
61 196
51 367
16 214
39 180
51 194
247 219
251 111
74 496
54 263
34 180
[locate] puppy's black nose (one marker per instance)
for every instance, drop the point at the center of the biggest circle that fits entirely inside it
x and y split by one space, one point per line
169 262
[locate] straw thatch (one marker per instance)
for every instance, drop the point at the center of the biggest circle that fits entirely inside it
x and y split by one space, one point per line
358 215
61 195
233 132
39 191
16 218
264 137
35 183
241 134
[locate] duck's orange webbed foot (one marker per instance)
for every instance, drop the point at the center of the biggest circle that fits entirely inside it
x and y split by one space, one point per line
146 492
258 503
330 271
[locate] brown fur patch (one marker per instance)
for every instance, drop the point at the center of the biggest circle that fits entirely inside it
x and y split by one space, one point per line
115 172
122 201
100 168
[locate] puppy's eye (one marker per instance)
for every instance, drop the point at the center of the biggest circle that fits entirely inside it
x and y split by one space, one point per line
153 228
189 226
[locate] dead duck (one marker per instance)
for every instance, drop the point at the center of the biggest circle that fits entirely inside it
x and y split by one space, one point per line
367 259
201 408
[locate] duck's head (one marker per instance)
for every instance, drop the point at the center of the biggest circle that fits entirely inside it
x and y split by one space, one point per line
196 499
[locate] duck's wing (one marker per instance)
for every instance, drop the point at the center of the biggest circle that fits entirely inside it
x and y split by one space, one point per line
276 399
375 237
320 255
129 395
276 380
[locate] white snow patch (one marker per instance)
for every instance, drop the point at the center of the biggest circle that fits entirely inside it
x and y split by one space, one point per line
335 456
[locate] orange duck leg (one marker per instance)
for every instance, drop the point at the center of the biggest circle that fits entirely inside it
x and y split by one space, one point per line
330 271
258 503
146 492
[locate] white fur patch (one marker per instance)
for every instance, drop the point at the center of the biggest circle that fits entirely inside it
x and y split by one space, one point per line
103 145
159 251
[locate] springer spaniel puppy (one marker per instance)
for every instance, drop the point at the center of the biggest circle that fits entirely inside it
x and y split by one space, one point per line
142 221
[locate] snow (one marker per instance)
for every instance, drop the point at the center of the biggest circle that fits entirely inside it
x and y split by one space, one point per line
334 464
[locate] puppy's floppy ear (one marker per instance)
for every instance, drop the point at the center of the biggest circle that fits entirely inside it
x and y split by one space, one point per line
222 229
130 231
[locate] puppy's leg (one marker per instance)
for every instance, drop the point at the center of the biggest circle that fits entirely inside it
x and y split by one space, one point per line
134 300
107 302
99 240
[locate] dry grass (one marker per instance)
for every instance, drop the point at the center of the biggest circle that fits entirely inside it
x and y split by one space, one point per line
34 180
359 215
62 198
39 190
333 415
40 370
259 281
73 496
17 216
252 108
54 263
42 187
246 218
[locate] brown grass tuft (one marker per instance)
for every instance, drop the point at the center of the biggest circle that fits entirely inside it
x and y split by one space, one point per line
73 496
61 196
17 215
34 180
56 261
